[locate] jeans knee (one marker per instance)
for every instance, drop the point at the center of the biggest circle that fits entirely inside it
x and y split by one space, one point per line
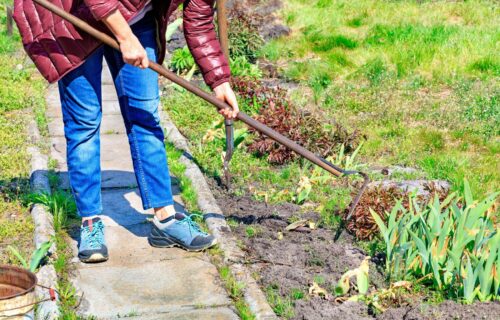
82 129
144 113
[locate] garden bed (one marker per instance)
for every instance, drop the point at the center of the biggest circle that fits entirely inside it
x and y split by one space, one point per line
286 263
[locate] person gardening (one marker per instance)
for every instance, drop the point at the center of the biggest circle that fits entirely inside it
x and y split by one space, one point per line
67 55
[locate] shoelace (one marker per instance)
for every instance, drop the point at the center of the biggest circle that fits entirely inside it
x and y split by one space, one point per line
192 224
96 236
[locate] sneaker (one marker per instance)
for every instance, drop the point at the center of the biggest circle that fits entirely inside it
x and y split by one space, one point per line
180 231
92 244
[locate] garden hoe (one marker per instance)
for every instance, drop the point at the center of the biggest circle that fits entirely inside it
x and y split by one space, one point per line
228 123
319 161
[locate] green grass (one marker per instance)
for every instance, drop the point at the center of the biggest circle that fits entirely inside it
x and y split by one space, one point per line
20 90
282 306
420 79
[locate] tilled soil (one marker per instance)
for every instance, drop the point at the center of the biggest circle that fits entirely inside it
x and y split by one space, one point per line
288 262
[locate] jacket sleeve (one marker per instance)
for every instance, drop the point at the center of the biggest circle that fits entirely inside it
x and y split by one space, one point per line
101 8
202 41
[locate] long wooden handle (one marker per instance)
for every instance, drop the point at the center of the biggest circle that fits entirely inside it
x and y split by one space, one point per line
106 39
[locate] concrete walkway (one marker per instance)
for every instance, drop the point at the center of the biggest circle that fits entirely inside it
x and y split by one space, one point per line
138 281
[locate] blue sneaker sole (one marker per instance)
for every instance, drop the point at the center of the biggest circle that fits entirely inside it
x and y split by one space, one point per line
158 239
94 258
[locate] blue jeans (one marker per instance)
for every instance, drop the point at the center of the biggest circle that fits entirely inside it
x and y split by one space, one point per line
138 94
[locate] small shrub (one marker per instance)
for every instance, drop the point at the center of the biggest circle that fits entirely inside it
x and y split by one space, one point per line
380 200
244 38
254 96
272 107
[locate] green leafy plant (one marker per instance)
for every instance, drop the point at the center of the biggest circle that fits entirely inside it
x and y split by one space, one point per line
241 67
36 257
60 204
454 244
182 60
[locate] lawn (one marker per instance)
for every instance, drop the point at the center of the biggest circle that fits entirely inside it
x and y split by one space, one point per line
419 78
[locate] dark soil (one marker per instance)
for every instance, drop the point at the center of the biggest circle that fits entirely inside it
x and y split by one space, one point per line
290 263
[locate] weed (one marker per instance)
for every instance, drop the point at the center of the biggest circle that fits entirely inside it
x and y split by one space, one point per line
283 307
375 70
251 231
357 21
432 140
324 3
60 204
297 294
322 43
319 82
319 279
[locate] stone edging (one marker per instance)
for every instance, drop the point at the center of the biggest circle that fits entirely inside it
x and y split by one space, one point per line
44 226
214 217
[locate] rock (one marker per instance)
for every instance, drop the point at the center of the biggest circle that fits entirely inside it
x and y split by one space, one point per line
422 188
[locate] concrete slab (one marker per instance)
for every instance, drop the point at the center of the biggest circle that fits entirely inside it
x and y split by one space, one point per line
110 124
108 108
116 163
128 223
123 207
106 75
127 244
109 92
217 313
151 288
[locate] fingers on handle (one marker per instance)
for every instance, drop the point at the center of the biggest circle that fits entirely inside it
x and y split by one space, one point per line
145 62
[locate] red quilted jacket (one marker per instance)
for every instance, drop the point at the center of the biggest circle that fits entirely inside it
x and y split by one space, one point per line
57 47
